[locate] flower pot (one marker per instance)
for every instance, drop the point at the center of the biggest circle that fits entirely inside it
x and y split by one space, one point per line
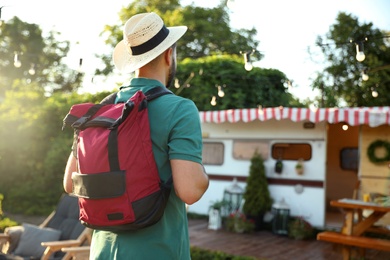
299 171
215 220
257 220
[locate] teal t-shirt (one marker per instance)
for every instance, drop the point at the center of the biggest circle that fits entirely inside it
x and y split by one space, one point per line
176 134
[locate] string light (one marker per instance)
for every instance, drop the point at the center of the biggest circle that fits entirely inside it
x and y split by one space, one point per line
31 71
360 56
17 62
213 101
365 76
247 59
374 92
1 20
177 83
221 93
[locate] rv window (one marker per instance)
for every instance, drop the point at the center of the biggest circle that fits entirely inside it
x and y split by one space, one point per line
213 153
244 149
291 151
349 159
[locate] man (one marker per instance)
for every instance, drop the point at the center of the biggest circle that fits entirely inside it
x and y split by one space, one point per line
149 50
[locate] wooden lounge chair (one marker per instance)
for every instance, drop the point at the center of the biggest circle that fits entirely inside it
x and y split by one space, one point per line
78 253
38 242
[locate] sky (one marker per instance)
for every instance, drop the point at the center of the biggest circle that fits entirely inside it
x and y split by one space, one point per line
285 30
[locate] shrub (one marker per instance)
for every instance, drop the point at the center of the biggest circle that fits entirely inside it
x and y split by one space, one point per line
300 229
257 196
5 222
238 222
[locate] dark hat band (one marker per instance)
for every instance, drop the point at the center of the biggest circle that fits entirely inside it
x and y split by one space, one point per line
151 43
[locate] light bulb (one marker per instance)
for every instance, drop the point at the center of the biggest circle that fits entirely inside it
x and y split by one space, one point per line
177 84
289 84
360 56
359 52
345 127
248 66
213 101
221 93
365 77
31 71
247 60
17 62
374 93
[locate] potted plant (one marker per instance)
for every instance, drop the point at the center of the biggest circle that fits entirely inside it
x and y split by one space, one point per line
300 229
256 195
299 167
238 222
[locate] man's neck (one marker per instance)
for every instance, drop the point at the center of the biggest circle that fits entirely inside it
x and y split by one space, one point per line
151 75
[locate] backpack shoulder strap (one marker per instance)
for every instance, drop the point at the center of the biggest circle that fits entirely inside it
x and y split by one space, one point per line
156 92
150 95
110 99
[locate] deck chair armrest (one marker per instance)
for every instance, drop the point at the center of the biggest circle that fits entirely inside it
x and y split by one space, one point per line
77 249
79 252
57 245
4 237
10 238
54 246
4 240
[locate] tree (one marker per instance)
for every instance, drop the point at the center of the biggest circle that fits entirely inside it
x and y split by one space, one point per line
257 196
39 56
33 149
211 57
341 80
204 77
208 30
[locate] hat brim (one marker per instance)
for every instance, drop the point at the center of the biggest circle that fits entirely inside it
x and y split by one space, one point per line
127 63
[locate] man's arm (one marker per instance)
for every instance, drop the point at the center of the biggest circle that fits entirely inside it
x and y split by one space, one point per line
190 180
71 167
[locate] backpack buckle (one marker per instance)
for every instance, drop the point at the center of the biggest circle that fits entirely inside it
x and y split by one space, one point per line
78 124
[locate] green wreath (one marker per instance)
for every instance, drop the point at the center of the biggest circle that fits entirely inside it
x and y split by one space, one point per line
378 144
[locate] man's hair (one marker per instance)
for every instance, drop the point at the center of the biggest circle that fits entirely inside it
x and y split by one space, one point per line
154 61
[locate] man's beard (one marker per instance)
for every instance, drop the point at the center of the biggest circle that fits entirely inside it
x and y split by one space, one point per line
172 74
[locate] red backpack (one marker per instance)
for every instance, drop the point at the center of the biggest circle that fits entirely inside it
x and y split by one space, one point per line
117 184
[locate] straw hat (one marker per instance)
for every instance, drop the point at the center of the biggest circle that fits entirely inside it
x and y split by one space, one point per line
144 38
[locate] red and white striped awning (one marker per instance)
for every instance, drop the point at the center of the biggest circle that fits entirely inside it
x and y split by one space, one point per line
372 116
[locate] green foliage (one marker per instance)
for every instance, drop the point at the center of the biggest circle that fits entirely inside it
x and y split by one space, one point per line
42 51
204 254
5 222
208 32
300 229
211 50
238 222
34 149
378 144
341 80
201 78
257 196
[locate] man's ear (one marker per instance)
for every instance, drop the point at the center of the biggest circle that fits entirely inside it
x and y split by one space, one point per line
168 57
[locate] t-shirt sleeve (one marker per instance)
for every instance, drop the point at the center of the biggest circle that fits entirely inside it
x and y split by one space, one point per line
185 140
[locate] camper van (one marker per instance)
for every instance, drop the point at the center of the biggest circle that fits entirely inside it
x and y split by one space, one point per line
329 143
